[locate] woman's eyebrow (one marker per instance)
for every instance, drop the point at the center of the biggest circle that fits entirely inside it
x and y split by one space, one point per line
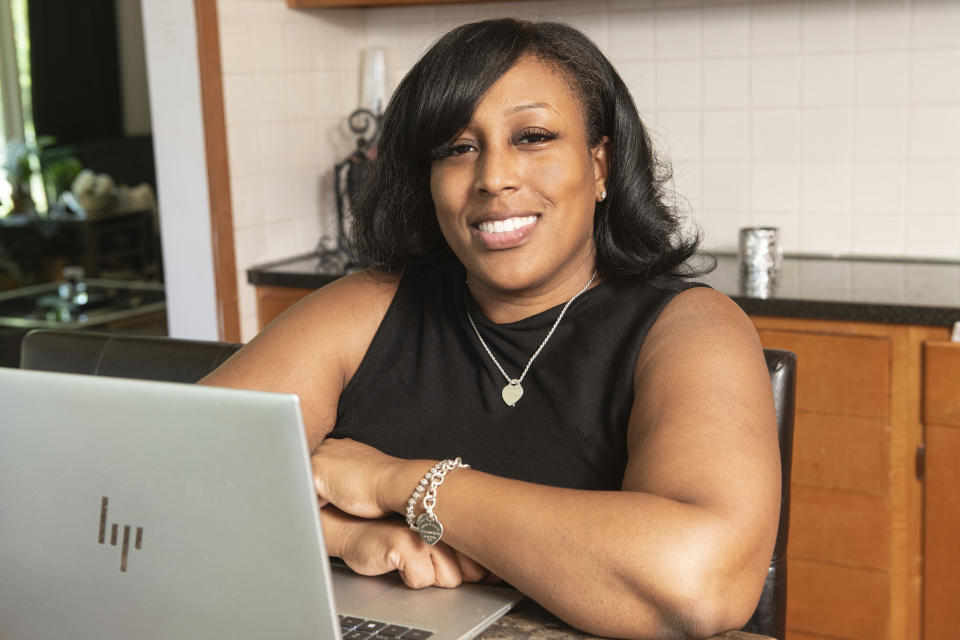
531 105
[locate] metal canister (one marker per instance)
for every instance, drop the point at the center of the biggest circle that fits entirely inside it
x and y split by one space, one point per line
759 256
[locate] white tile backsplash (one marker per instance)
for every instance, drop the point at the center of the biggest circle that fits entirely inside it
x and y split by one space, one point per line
933 188
774 186
879 235
827 80
726 187
933 235
838 120
935 132
639 78
824 233
880 133
775 82
677 33
678 84
826 134
825 187
882 78
726 29
726 83
882 24
726 135
879 187
775 134
827 25
631 35
935 77
936 23
774 27
680 131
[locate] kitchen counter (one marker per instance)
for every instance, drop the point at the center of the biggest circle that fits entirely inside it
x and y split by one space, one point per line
896 291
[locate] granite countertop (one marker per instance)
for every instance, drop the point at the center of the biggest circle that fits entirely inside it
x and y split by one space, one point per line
897 291
530 621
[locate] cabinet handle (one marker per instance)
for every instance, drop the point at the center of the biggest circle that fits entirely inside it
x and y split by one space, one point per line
921 462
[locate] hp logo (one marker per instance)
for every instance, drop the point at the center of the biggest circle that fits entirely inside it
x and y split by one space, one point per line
114 530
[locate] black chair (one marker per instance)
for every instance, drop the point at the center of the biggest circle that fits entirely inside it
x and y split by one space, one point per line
176 360
123 356
770 616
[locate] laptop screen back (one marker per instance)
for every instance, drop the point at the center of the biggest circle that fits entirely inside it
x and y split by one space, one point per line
145 509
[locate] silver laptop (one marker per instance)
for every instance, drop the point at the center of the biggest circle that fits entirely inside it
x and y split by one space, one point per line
157 510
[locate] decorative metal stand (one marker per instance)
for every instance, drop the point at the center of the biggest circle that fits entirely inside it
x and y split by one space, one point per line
349 176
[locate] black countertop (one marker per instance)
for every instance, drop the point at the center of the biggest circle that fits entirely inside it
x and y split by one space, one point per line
830 288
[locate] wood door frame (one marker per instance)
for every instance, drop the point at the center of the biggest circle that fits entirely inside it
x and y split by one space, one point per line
218 170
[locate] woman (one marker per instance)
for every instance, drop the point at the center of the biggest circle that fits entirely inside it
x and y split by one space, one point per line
522 313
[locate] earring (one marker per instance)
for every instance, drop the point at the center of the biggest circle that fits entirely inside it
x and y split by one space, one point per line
603 196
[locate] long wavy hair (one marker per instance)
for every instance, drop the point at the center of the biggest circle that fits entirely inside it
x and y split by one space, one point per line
637 232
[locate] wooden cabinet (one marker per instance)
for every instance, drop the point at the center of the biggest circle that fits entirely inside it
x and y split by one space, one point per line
855 552
941 562
272 301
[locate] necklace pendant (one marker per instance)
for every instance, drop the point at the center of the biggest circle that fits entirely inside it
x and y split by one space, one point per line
512 392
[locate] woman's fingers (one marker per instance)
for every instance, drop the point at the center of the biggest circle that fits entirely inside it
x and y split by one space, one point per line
446 569
379 546
470 569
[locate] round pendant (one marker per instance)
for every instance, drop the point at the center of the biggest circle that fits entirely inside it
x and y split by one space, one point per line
512 392
430 528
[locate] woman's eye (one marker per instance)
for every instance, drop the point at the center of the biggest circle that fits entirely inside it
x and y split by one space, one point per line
460 148
535 136
449 149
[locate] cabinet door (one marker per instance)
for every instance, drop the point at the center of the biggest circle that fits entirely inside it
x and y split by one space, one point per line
941 410
840 545
272 301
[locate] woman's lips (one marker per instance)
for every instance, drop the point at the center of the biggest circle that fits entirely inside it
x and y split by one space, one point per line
505 233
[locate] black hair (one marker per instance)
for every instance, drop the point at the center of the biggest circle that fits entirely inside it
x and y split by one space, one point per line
636 232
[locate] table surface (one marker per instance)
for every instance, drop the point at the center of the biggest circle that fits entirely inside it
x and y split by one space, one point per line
530 621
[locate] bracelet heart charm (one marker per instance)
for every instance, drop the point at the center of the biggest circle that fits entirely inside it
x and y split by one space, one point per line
430 528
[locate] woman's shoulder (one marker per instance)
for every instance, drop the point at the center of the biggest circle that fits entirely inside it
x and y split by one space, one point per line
313 347
365 290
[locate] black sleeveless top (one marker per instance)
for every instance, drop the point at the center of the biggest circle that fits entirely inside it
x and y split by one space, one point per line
427 389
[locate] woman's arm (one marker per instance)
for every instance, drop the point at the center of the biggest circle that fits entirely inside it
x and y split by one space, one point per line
314 348
683 549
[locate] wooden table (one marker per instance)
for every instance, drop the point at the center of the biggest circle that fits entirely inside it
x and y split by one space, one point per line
529 620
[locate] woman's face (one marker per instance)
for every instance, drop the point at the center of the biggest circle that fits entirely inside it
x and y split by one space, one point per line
515 191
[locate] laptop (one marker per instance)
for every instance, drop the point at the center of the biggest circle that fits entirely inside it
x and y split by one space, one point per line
143 509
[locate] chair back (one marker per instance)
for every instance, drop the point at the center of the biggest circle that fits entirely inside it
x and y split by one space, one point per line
123 356
176 360
770 616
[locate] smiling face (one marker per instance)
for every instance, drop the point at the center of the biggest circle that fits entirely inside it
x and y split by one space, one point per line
515 191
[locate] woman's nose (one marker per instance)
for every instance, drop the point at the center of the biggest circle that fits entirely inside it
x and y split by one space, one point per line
496 172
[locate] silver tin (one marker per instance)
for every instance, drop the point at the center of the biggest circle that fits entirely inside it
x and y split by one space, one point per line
759 255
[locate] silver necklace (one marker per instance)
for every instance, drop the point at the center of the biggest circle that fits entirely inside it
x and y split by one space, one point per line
514 390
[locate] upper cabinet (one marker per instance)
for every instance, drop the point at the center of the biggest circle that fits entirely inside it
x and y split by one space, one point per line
314 4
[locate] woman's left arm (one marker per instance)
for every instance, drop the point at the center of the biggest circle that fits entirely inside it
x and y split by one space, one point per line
682 550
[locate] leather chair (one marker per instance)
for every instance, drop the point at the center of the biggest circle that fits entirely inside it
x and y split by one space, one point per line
770 616
123 356
176 360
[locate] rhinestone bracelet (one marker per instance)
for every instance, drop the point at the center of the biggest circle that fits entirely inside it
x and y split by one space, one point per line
426 524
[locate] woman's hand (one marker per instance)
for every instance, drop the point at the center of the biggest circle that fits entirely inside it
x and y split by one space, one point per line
375 547
361 480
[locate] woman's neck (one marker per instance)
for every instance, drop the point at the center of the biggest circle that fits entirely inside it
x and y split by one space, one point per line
504 306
